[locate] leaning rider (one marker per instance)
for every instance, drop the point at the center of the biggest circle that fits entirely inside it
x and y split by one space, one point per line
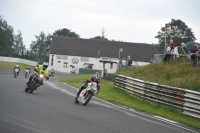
16 67
40 69
95 78
28 68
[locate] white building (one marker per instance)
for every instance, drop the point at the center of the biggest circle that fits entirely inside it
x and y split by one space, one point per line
69 54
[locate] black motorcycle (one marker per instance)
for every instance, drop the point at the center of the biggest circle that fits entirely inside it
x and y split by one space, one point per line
35 82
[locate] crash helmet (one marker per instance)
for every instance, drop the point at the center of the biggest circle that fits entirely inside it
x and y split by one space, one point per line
17 66
96 77
28 67
45 65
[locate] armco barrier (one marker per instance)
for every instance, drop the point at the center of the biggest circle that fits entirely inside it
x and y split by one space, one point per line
18 60
184 100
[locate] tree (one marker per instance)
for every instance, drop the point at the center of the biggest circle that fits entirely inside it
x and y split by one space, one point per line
180 32
19 47
65 33
6 38
102 37
39 49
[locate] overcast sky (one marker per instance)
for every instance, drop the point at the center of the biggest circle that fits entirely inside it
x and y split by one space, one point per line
126 20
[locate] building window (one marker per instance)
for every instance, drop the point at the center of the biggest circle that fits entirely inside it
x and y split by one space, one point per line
84 59
59 61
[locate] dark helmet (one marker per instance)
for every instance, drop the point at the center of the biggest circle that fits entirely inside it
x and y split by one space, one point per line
28 67
45 65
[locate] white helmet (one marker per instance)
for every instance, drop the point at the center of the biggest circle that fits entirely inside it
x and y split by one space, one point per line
17 66
45 65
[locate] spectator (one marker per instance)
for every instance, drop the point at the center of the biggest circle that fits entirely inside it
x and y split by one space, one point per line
171 45
129 62
175 53
184 48
167 54
123 62
120 63
193 55
198 55
151 60
181 50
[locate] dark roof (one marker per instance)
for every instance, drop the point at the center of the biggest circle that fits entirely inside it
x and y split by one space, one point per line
90 48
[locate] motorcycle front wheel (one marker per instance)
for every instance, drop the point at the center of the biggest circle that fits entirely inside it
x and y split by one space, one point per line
87 98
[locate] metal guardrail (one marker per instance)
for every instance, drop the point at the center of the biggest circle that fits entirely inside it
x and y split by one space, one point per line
184 100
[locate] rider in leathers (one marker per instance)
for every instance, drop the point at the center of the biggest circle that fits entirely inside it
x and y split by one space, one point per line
40 69
95 78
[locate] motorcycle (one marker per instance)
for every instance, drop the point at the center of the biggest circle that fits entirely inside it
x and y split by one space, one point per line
35 82
87 93
52 73
15 72
26 73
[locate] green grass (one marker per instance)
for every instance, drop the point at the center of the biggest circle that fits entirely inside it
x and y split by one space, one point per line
116 96
11 65
180 75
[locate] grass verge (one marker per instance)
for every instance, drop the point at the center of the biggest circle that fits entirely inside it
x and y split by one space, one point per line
180 75
11 65
116 96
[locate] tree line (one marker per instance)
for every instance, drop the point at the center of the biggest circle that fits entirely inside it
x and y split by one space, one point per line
12 45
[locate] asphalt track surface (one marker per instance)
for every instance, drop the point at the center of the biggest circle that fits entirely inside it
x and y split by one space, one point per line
51 109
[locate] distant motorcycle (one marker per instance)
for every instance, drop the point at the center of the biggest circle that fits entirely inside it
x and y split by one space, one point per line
26 73
52 73
16 71
87 93
35 82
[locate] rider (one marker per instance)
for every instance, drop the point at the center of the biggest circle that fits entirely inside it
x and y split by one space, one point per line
17 68
28 68
52 71
40 69
95 78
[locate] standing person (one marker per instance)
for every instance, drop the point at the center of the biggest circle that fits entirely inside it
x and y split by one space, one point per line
120 63
16 67
123 63
184 48
129 62
167 54
175 53
193 55
171 45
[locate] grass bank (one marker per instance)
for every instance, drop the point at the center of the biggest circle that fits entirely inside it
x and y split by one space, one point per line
11 65
178 75
116 96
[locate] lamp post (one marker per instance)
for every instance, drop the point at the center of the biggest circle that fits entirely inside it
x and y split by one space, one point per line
120 50
167 31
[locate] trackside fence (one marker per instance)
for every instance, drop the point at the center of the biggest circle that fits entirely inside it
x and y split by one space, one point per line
186 101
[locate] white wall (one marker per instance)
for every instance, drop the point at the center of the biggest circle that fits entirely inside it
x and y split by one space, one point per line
65 58
97 65
18 60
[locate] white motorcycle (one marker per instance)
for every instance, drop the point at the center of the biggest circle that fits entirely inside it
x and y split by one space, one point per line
26 73
87 93
15 72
